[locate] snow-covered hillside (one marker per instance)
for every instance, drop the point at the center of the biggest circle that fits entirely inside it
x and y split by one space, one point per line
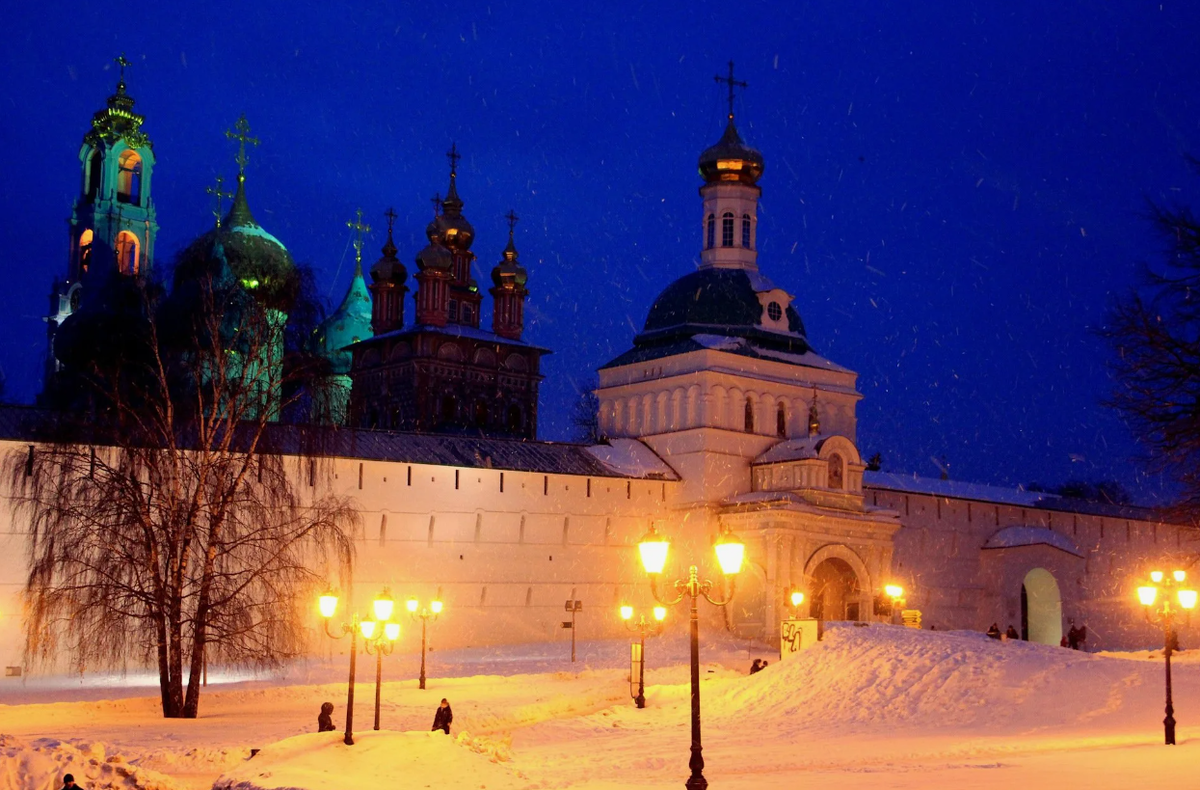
878 707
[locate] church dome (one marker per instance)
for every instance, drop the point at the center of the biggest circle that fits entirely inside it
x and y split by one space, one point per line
350 323
716 301
389 269
435 255
731 160
257 259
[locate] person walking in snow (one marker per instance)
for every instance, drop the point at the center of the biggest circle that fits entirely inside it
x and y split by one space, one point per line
1073 636
325 720
1011 633
69 783
994 631
756 666
443 717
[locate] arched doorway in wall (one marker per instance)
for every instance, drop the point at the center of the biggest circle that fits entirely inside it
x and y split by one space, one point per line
835 591
1041 608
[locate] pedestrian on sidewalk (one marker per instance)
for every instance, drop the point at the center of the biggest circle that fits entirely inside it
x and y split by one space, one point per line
443 717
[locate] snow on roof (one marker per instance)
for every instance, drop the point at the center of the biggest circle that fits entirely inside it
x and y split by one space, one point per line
247 230
631 458
956 489
792 450
1012 537
720 342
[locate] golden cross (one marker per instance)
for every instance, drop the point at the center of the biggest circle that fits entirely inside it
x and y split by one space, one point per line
359 229
512 221
731 82
243 137
218 194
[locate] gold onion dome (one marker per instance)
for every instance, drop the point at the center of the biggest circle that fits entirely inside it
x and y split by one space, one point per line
389 268
435 255
509 270
455 231
731 160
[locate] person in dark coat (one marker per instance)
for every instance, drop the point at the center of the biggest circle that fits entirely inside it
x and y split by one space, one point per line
1011 633
1073 637
69 783
1080 637
756 666
994 631
325 720
443 717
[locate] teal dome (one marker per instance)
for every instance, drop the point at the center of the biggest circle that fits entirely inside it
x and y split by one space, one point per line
349 323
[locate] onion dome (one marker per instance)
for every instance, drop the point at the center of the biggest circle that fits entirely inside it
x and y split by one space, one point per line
509 272
389 268
731 160
259 260
456 232
349 323
435 256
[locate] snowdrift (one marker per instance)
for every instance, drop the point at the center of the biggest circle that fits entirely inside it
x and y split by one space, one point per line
883 677
321 761
40 765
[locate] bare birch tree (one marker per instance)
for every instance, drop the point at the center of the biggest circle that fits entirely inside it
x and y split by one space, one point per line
169 524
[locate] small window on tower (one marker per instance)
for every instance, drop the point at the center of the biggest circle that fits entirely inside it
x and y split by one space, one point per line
781 421
453 310
516 422
746 231
749 416
127 253
712 232
467 314
93 175
85 250
129 178
727 229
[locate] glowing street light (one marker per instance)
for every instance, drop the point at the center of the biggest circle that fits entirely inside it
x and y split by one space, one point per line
730 552
1164 615
424 614
896 593
372 635
797 598
642 627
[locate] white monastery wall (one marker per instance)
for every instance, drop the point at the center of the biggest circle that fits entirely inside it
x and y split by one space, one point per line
957 584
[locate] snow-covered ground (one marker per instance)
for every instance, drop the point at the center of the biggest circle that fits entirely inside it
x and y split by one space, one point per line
875 707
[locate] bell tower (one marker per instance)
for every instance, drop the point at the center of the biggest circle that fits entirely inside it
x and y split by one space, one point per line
113 225
113 222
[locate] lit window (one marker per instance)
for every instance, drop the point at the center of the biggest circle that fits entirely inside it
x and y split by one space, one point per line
129 178
727 229
712 231
127 253
85 250
746 231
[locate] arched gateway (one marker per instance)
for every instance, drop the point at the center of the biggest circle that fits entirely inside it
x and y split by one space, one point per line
1041 608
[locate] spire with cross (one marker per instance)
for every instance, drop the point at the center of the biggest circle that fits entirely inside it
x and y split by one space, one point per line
453 202
732 83
436 200
218 195
241 133
513 219
121 63
359 229
389 247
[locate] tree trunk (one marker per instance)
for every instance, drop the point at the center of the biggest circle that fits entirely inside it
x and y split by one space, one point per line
169 709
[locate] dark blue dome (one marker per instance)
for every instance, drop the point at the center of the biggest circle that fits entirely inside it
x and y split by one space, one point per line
714 301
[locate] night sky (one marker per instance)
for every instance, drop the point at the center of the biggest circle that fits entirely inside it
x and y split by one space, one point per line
953 190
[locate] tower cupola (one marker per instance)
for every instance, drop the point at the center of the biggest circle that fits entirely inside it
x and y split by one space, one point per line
388 276
729 223
508 290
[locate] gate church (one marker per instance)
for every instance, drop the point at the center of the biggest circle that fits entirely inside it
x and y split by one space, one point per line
720 415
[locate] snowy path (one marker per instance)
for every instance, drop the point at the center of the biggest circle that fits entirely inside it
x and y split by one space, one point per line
877 707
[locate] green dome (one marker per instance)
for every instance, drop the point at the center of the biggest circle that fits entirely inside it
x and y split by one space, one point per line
349 323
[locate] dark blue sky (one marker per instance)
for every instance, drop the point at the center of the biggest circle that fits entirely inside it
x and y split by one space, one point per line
953 190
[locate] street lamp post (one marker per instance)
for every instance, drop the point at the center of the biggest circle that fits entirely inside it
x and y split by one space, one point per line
641 628
896 593
383 611
381 643
1148 595
730 552
418 612
573 608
